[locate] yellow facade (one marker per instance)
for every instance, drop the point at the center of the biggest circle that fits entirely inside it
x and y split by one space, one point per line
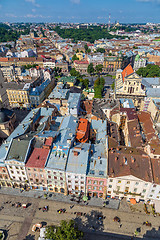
112 63
80 55
17 97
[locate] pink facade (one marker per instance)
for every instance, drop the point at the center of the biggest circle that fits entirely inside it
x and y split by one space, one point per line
37 178
96 187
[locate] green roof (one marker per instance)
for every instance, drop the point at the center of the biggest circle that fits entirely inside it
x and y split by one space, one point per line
137 57
68 79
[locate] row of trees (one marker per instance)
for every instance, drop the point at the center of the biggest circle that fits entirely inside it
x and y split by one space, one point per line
149 71
98 87
90 35
28 66
91 70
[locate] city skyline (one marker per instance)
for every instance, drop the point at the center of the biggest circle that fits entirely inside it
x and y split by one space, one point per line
133 11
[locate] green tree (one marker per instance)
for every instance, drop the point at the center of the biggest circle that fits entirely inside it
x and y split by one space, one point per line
113 85
75 73
75 57
66 231
102 81
101 50
86 82
98 92
99 68
90 69
149 71
98 87
86 48
90 35
57 71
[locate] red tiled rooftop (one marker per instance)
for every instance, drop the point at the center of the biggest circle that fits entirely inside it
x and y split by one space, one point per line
38 158
81 62
131 113
127 71
82 133
3 59
48 141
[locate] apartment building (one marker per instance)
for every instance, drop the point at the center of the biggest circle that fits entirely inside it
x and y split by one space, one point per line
112 63
18 94
129 174
4 176
81 66
96 179
36 164
65 129
77 168
10 73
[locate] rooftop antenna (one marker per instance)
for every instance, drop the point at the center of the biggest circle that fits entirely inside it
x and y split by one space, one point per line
109 23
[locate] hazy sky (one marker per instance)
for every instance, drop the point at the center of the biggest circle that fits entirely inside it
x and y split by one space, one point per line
124 11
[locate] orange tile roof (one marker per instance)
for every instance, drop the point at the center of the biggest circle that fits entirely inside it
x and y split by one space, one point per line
82 133
3 59
81 62
127 71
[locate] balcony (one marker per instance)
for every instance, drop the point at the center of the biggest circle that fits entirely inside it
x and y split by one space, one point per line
127 193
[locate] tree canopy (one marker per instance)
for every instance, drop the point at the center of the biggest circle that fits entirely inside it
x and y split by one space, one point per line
101 50
7 35
28 66
149 71
75 57
98 87
99 68
67 230
90 68
90 35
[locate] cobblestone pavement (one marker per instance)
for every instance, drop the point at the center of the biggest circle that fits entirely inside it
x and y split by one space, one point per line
13 219
113 203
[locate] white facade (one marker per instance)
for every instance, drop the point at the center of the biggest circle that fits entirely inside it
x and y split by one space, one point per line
139 63
74 103
55 180
17 171
154 193
129 187
76 183
50 64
